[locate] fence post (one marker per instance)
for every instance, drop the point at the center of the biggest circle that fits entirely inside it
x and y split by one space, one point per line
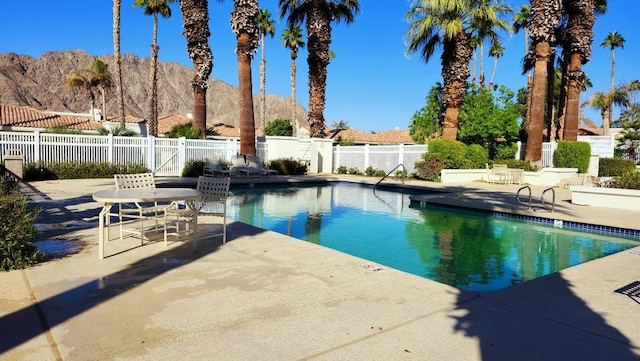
401 155
336 157
151 153
517 155
110 148
366 156
182 154
36 146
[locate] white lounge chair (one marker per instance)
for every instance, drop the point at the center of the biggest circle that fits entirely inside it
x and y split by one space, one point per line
256 164
240 166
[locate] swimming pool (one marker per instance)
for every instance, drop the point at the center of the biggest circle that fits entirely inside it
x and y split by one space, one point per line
467 250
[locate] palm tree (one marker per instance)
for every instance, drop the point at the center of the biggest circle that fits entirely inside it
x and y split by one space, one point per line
545 16
612 41
266 26
318 16
102 79
116 61
496 50
435 25
97 76
154 7
521 21
605 101
486 20
292 40
244 25
195 21
578 37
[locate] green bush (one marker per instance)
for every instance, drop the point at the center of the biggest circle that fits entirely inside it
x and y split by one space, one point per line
186 130
380 173
288 166
611 167
370 171
429 168
627 181
451 153
342 170
279 127
72 170
505 151
572 154
17 231
518 164
477 156
193 168
354 171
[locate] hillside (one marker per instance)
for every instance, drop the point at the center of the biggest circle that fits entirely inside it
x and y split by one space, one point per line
39 83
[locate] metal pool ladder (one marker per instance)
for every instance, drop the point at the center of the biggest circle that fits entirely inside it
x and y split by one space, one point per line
388 174
542 202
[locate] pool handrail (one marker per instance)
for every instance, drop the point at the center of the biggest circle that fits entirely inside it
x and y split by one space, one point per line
388 174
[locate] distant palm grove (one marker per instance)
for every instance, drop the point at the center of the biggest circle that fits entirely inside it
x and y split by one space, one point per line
558 39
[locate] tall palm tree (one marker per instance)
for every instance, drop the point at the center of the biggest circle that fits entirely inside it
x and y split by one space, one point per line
117 5
292 38
613 40
578 37
545 16
96 77
496 50
195 21
266 26
605 101
433 24
103 80
154 8
318 16
521 21
244 25
487 18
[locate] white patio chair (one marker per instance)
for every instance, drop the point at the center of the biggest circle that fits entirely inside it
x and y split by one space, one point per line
255 163
240 166
140 212
184 221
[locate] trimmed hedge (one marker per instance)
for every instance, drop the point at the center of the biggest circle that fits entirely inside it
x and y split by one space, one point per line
611 167
72 170
573 154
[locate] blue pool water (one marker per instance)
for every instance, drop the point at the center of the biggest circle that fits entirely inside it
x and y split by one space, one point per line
467 250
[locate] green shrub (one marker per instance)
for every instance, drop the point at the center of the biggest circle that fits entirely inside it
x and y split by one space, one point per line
627 181
429 168
354 171
370 171
342 170
193 168
477 156
572 154
72 170
288 166
451 153
611 167
505 151
518 164
279 127
17 231
380 173
186 130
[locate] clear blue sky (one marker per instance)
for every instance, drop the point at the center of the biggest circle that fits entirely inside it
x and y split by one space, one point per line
372 83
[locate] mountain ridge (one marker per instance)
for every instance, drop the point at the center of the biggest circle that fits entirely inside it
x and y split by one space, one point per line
39 82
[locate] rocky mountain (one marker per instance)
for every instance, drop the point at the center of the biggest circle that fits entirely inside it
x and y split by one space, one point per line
39 83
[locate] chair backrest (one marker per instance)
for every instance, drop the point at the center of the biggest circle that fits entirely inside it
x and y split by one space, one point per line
213 163
254 162
140 180
213 189
500 168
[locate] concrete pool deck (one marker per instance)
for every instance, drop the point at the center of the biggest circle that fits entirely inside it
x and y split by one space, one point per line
265 296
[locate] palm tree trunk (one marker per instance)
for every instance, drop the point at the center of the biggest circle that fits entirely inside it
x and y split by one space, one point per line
493 73
482 77
574 85
533 152
294 126
550 113
263 75
611 84
247 121
153 116
117 63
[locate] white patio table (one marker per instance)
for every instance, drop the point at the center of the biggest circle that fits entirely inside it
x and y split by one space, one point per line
113 196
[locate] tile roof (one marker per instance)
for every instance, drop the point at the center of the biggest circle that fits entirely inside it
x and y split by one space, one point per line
384 137
28 117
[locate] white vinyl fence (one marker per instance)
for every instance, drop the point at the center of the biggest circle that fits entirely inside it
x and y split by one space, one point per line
385 157
602 146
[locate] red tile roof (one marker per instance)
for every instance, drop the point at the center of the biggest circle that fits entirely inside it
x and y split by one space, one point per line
383 137
28 117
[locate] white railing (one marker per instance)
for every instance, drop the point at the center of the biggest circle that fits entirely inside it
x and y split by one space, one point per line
602 146
163 156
